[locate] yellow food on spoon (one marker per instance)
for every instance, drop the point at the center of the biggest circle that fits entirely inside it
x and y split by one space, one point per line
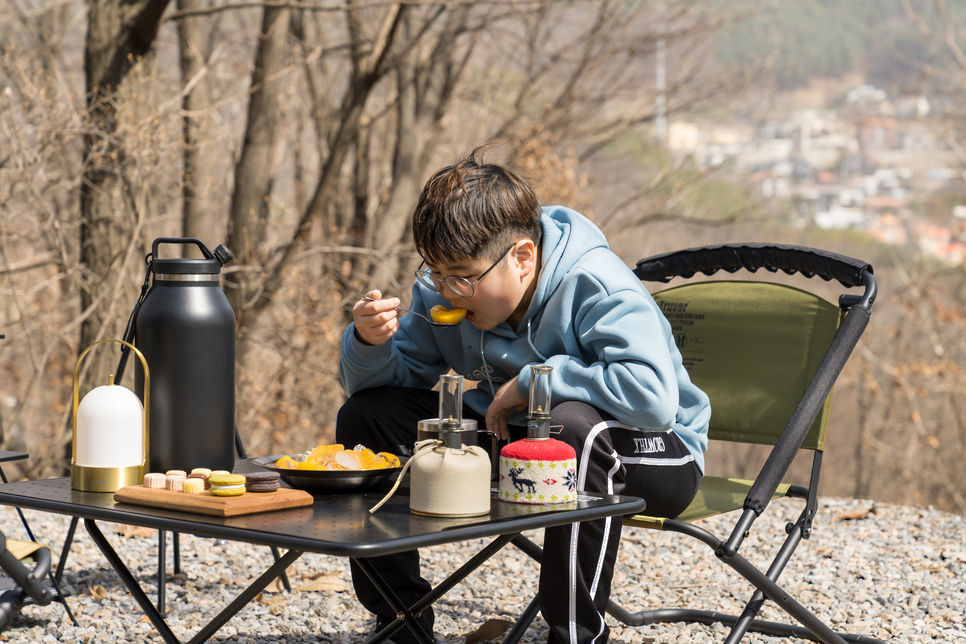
443 315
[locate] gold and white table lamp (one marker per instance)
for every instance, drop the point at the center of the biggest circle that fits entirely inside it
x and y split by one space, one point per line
110 432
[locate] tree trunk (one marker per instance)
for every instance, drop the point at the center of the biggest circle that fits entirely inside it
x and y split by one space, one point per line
253 172
198 218
119 33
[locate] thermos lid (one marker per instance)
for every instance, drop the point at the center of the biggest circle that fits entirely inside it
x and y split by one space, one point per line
210 265
185 266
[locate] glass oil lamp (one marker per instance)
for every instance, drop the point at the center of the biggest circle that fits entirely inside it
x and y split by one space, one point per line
538 413
450 410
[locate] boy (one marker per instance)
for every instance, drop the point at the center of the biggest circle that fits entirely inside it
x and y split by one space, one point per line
540 287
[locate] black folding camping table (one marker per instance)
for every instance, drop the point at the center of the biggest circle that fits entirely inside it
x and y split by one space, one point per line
335 524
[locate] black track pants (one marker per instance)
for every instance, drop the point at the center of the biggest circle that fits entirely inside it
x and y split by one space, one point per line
578 560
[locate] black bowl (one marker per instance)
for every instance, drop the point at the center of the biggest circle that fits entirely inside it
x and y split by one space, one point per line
331 482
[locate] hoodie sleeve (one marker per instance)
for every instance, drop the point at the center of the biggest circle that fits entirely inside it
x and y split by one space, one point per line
618 358
411 358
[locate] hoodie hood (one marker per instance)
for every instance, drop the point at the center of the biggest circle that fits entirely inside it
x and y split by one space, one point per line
568 237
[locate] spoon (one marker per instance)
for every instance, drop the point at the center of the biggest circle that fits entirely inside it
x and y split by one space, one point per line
433 322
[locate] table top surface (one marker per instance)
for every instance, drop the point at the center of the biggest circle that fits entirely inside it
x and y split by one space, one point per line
335 524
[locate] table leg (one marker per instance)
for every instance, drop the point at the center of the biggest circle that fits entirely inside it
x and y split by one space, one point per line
176 546
62 562
284 576
523 623
157 618
407 616
162 567
246 596
128 579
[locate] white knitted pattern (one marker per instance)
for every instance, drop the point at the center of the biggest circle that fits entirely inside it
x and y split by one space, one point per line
538 482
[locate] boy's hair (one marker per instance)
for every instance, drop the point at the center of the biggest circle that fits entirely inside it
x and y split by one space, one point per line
473 210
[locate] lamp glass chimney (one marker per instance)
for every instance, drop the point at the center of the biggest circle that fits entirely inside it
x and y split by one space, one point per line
450 403
540 391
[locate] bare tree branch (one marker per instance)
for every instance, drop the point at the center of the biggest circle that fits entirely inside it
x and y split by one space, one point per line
308 6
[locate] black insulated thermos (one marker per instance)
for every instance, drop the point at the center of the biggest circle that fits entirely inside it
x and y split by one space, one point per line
185 328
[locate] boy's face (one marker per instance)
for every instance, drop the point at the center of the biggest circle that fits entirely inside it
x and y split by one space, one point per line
502 295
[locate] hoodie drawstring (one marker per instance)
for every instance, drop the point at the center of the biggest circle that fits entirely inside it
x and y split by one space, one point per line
486 369
542 357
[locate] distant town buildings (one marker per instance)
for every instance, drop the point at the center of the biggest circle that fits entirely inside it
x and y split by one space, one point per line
861 166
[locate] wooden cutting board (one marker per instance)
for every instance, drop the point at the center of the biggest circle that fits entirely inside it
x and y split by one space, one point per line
217 506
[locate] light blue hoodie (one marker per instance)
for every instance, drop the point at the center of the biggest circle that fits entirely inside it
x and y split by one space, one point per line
590 319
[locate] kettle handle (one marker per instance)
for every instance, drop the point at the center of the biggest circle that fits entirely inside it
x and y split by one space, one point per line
181 240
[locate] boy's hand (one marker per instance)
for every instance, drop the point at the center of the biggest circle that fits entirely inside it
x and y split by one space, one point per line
376 319
506 399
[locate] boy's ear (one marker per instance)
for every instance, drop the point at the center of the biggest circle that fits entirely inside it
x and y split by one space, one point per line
525 256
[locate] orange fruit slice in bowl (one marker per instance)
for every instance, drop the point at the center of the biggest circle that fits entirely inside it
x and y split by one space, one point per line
349 459
366 456
308 465
320 452
391 459
286 463
443 315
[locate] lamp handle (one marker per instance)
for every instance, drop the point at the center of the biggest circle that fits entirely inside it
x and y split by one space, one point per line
147 398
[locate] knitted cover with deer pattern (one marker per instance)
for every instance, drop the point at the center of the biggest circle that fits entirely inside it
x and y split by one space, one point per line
540 472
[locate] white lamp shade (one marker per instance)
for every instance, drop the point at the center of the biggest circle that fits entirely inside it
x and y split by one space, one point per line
109 428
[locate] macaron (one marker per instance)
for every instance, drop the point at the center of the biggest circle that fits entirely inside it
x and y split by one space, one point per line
154 480
193 486
227 484
262 482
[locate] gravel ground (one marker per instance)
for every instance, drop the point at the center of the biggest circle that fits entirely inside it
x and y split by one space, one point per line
896 573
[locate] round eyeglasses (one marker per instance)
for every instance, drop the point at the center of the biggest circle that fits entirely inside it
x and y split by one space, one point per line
459 285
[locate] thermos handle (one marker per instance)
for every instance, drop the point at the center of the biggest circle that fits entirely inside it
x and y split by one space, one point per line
181 240
221 254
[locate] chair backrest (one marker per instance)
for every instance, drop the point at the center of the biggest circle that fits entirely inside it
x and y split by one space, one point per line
753 347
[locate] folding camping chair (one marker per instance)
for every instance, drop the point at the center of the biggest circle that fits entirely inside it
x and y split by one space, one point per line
18 584
767 355
25 585
22 586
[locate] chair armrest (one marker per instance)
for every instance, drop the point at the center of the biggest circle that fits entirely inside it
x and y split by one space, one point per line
7 455
772 257
33 582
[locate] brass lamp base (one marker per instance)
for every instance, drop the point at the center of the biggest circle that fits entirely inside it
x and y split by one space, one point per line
104 479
